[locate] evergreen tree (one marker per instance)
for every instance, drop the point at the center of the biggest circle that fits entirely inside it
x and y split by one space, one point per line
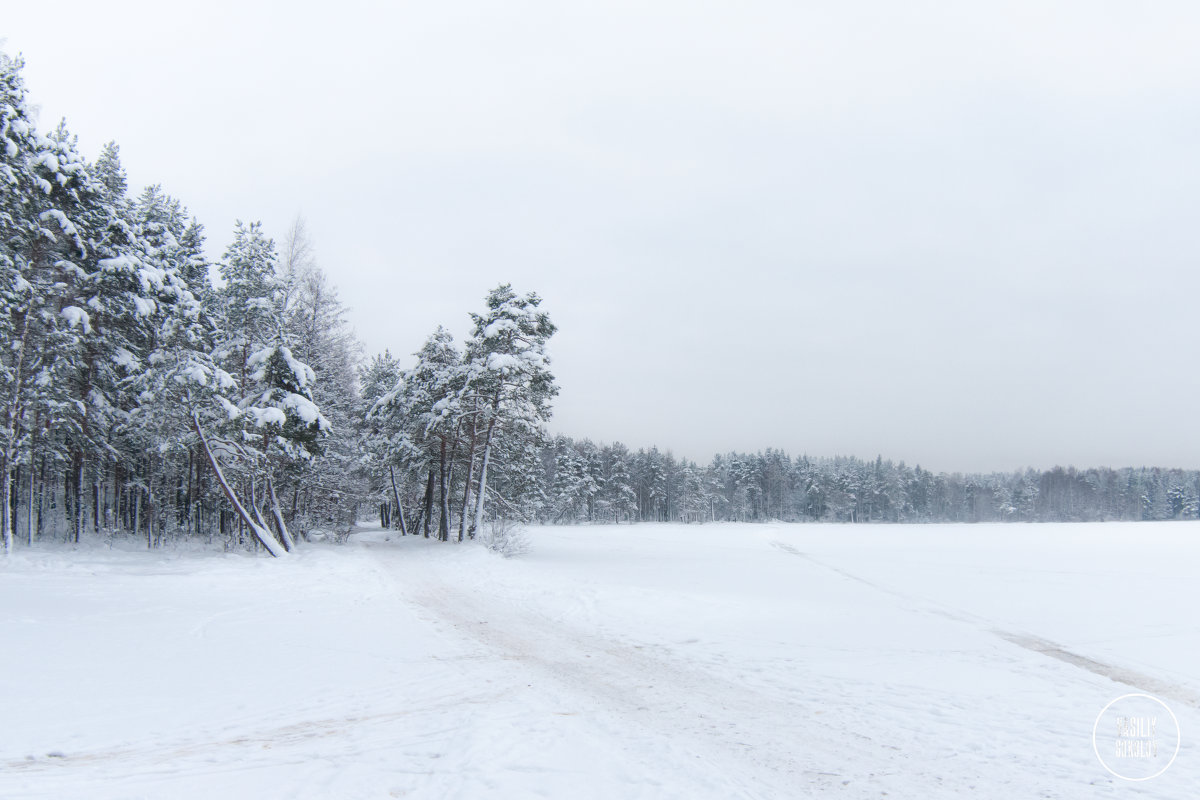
375 380
419 418
41 318
316 326
508 372
618 496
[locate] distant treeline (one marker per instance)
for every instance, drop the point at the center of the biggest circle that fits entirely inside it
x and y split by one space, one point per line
609 483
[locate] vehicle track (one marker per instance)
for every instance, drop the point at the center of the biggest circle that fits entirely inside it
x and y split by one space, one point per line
1037 644
759 741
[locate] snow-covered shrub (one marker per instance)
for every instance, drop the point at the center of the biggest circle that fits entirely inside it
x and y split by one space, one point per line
506 537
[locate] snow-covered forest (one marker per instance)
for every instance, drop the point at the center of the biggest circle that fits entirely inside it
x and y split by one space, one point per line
138 397
609 483
150 393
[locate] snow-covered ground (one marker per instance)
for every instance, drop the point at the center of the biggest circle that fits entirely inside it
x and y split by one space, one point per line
652 661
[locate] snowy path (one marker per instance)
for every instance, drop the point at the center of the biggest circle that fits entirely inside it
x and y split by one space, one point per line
653 661
684 731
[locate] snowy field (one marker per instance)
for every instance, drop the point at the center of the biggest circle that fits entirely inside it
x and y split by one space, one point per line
654 661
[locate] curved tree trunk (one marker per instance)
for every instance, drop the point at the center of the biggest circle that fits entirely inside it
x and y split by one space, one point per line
289 543
262 534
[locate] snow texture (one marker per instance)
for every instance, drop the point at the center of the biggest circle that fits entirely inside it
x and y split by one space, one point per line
144 307
76 317
646 661
502 362
124 358
305 409
231 411
224 380
64 224
258 362
498 327
268 416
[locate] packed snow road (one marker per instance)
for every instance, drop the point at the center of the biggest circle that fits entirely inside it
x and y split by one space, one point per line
716 661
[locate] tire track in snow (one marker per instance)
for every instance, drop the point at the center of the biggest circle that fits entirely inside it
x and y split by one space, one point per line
607 679
914 601
1137 680
253 740
760 742
1132 678
270 737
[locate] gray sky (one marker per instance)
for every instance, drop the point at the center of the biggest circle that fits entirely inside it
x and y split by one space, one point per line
957 235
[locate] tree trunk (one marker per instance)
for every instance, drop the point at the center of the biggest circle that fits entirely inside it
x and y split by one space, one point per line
466 503
481 492
137 511
188 498
289 543
150 508
396 497
96 498
428 503
29 510
10 440
417 524
443 498
14 499
254 503
262 534
77 492
41 496
5 516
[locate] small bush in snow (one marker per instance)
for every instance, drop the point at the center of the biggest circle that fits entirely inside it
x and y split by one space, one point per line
506 537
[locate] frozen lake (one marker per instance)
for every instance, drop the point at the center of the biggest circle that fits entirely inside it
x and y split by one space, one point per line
646 661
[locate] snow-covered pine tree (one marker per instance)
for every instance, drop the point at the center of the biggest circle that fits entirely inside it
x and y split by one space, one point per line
563 495
577 480
618 496
42 321
509 371
247 309
420 419
320 336
194 268
109 172
515 482
376 379
18 145
289 426
270 417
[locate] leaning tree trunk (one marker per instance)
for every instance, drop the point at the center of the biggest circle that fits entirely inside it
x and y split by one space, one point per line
254 504
289 543
261 533
396 496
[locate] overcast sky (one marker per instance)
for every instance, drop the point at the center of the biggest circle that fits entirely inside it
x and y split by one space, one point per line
954 236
